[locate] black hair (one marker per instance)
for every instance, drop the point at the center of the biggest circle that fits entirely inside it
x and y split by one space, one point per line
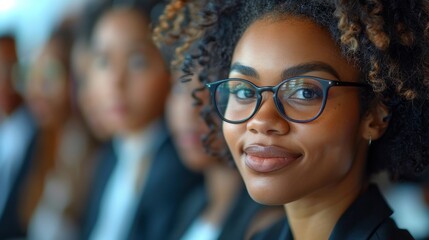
94 11
387 40
7 37
148 9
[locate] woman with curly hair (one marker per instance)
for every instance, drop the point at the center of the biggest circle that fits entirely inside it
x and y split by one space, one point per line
315 96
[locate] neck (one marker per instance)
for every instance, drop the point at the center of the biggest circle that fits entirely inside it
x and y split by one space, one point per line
223 185
136 131
316 214
57 126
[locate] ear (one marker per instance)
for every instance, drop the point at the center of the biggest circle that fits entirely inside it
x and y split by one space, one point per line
375 122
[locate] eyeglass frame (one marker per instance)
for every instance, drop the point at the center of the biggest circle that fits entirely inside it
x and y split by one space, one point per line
325 83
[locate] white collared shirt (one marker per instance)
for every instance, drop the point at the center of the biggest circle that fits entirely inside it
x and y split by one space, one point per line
124 188
201 230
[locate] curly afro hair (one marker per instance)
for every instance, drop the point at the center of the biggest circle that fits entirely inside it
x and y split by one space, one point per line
388 41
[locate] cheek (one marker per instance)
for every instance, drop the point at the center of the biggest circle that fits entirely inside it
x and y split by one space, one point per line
330 145
232 134
147 93
176 112
98 87
334 135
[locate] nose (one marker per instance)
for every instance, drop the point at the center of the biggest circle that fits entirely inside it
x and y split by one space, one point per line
267 120
119 76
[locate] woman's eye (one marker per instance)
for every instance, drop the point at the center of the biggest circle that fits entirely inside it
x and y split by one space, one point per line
244 93
137 61
305 94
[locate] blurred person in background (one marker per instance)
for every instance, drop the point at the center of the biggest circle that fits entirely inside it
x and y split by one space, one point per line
409 197
140 181
87 94
55 187
10 99
221 208
17 138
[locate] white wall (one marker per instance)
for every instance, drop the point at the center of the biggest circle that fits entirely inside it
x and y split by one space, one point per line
32 20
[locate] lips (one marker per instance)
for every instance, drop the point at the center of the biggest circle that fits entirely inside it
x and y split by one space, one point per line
266 159
117 110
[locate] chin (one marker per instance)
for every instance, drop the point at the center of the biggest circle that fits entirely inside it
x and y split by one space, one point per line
194 166
265 192
196 163
263 198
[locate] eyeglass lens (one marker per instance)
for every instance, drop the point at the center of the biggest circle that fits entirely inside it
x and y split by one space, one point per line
298 99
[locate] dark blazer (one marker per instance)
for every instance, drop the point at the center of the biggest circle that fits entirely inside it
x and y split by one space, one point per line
236 224
367 218
106 160
167 184
10 225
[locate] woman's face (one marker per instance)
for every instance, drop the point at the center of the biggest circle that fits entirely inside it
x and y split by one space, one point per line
187 126
282 161
47 88
9 98
127 72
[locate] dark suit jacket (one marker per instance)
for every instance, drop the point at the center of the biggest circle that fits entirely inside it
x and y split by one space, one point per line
367 218
237 221
166 185
10 226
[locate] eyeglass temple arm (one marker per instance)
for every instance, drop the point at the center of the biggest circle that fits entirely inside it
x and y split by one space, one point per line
350 84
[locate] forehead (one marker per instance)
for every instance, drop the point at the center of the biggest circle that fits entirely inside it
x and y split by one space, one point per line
122 26
274 45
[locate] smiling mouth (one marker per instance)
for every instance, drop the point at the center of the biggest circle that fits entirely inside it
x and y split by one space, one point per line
264 159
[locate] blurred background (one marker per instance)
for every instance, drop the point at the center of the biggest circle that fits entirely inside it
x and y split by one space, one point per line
33 21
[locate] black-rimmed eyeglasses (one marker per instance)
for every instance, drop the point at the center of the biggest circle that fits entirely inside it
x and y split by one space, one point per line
298 99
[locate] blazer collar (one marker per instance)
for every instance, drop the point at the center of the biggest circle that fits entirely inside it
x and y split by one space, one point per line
363 217
360 220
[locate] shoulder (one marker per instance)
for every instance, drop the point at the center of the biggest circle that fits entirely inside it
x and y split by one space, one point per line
368 218
389 231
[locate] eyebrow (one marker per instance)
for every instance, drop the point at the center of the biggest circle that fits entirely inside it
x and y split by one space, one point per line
309 67
245 70
289 72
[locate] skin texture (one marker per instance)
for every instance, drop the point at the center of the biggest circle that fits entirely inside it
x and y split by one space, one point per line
187 127
47 88
127 71
327 172
86 95
222 182
9 98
